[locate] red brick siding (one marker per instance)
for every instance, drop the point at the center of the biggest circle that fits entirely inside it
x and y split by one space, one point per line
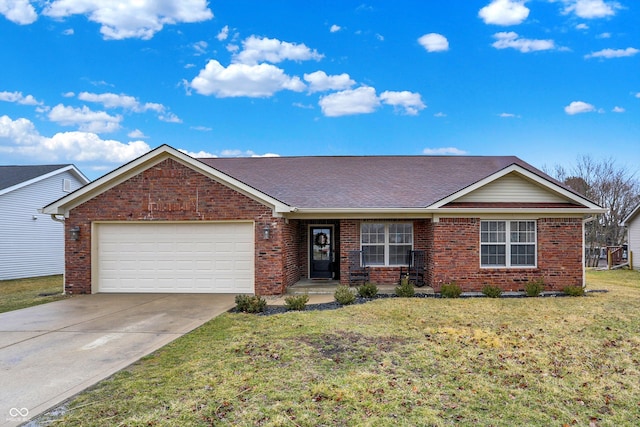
455 256
171 191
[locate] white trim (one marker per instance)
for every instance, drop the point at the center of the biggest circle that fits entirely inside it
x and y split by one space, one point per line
152 158
630 216
527 174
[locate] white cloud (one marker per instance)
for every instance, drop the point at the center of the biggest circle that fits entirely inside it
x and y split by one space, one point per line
577 107
319 81
85 119
20 137
617 109
504 12
18 11
199 154
255 81
439 114
582 27
256 50
410 102
245 153
362 100
68 32
604 36
112 100
613 53
18 98
510 39
223 34
508 115
590 9
201 128
638 95
335 28
137 134
200 47
434 42
444 151
131 19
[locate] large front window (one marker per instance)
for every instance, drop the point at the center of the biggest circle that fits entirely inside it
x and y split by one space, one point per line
386 243
508 244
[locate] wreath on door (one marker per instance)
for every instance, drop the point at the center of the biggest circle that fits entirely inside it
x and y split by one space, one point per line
321 239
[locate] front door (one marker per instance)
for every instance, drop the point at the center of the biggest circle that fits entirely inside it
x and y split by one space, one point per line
321 255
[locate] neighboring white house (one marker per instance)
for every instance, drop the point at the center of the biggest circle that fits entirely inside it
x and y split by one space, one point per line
31 244
632 222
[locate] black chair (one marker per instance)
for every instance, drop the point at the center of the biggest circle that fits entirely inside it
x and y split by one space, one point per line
414 271
358 270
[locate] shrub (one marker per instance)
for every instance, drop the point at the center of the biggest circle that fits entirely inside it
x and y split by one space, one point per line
405 290
491 291
250 303
574 291
368 290
344 296
296 302
533 289
450 290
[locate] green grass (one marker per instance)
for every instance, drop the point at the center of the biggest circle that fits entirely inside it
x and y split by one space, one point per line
22 293
499 362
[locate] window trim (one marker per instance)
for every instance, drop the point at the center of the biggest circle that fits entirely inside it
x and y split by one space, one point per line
507 243
386 243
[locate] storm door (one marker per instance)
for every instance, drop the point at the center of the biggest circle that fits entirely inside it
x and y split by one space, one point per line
322 255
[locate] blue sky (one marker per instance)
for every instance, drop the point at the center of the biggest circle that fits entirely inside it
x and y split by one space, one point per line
89 83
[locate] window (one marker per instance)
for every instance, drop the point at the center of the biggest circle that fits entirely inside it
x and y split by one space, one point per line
508 244
386 244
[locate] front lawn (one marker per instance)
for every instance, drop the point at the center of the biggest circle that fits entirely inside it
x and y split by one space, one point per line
21 293
500 362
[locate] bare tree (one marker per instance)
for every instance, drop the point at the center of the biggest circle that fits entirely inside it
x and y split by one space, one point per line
612 187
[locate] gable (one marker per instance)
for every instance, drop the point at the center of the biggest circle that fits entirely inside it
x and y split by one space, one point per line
512 188
148 162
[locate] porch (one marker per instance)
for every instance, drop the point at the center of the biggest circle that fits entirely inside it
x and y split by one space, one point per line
328 287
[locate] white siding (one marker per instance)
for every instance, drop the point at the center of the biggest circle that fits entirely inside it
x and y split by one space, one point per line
512 188
32 247
634 240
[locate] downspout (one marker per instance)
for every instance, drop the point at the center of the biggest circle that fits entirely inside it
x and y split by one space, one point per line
64 271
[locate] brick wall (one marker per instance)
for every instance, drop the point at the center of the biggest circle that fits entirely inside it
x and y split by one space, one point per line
170 191
455 256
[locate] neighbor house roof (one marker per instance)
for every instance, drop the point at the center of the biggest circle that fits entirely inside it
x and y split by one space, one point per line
13 177
349 184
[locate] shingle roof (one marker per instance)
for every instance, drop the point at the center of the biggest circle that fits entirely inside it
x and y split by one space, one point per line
363 181
13 175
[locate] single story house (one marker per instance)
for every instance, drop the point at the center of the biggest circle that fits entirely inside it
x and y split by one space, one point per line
31 244
167 222
632 223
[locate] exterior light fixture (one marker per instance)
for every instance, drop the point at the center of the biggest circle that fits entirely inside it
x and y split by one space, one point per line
266 232
74 233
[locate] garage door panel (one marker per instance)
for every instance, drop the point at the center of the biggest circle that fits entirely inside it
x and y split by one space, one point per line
178 257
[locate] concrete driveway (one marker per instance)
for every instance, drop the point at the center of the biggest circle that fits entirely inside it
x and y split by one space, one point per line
50 352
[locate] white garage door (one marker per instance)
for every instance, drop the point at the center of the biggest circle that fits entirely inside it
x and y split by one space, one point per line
184 257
